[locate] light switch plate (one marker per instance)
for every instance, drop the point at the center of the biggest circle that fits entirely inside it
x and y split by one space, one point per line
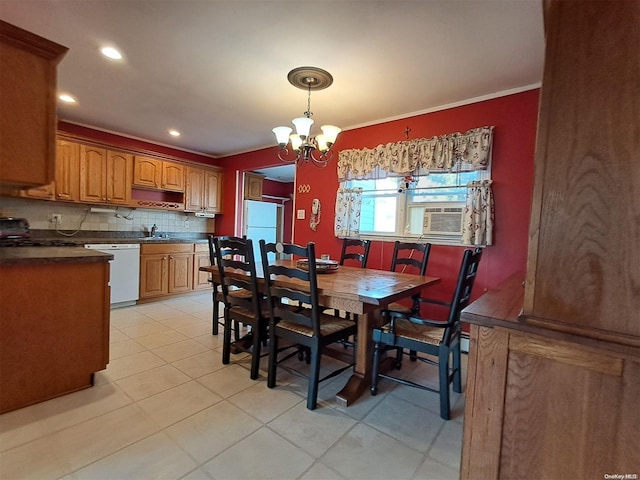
301 214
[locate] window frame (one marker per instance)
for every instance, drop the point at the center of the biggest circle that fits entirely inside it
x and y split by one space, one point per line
403 206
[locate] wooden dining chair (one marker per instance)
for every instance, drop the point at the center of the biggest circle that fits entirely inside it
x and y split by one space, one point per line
355 250
307 327
243 300
414 257
418 334
218 298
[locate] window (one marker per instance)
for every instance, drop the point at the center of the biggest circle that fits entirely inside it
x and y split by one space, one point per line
428 206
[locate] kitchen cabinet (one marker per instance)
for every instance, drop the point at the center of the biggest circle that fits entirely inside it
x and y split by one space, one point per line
554 367
67 179
201 259
203 190
165 268
67 183
253 186
54 324
156 174
105 176
28 79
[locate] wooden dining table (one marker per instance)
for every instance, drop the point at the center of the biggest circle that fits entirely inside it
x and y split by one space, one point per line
362 291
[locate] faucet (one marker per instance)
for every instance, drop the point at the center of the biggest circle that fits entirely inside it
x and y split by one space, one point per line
154 230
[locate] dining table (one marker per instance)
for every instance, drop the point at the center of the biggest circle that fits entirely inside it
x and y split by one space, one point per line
362 291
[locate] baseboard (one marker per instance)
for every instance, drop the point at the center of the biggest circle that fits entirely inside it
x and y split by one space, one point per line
464 342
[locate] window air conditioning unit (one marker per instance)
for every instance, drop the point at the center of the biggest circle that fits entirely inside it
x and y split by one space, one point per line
443 220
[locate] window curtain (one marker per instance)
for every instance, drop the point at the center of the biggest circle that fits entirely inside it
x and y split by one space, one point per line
348 207
477 223
453 152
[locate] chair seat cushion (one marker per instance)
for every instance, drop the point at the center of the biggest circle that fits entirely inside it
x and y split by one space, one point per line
328 325
420 333
398 307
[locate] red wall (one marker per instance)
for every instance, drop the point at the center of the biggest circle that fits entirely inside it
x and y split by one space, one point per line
515 121
514 118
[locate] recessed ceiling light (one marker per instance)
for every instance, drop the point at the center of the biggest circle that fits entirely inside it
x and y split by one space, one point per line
112 53
66 98
174 133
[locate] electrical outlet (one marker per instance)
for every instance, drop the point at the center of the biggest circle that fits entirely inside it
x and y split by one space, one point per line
186 224
55 218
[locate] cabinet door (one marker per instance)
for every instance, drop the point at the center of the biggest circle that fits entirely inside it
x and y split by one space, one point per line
172 177
253 186
28 106
147 172
93 174
213 192
153 275
67 171
119 177
194 189
201 279
180 272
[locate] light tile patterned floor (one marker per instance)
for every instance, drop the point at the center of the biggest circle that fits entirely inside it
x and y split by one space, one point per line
167 408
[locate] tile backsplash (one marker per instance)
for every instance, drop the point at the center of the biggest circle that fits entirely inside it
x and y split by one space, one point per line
79 217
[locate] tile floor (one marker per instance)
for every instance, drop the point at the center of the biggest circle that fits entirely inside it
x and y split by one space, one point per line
167 408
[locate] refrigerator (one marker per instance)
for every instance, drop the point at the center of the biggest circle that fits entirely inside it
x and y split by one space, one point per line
261 222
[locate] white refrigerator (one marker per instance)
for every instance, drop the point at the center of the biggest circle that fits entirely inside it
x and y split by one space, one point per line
261 222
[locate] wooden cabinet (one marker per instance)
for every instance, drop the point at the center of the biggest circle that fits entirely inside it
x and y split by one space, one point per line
201 259
165 268
105 176
52 344
253 186
28 80
155 174
552 387
67 180
203 190
67 184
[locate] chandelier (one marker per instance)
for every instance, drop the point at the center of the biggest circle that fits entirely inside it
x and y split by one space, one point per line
306 148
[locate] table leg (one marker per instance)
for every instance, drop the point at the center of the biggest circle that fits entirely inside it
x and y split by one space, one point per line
361 378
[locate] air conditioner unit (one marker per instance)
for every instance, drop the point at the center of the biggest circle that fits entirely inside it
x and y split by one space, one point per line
445 220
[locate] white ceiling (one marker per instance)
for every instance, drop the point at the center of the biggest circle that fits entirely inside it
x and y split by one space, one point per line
216 70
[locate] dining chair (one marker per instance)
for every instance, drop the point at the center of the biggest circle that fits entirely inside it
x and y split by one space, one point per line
242 298
218 298
415 257
307 327
439 339
356 250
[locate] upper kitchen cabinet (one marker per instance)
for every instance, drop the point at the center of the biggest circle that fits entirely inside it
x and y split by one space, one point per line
105 176
155 174
67 178
203 190
253 186
28 80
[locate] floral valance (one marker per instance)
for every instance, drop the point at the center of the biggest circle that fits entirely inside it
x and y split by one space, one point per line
469 151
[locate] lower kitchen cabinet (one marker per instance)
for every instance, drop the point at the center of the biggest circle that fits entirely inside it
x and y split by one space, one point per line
201 259
166 269
55 329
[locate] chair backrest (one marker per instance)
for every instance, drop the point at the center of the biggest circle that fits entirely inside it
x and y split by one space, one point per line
464 285
415 255
353 249
237 268
304 290
212 250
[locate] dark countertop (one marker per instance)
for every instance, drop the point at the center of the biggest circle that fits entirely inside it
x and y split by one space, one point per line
84 237
40 255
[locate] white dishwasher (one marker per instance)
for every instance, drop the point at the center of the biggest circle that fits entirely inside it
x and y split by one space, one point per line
124 271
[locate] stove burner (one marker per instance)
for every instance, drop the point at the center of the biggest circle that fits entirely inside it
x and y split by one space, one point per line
27 242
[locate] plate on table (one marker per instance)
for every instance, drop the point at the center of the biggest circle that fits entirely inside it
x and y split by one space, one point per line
322 266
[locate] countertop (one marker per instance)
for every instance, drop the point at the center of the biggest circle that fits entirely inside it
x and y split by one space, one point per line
40 255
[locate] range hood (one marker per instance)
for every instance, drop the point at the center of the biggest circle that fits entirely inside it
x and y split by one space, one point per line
205 215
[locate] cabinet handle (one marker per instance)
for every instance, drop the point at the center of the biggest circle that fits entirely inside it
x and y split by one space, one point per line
171 257
164 258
